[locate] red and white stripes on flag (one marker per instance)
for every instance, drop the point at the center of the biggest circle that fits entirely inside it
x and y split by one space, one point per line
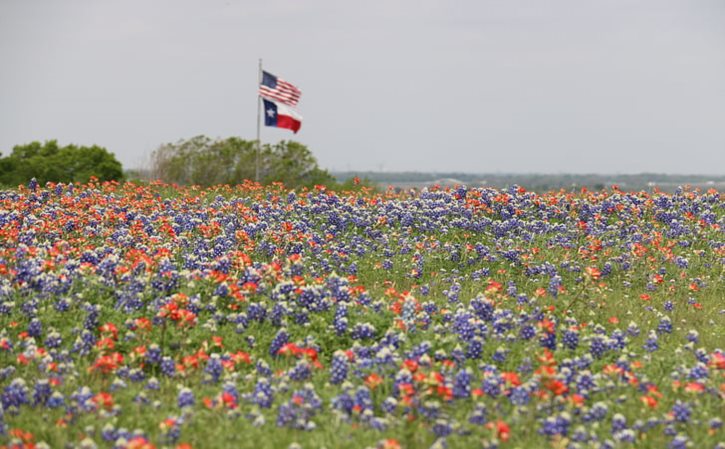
279 89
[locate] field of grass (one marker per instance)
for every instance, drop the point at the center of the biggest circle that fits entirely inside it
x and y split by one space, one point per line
142 316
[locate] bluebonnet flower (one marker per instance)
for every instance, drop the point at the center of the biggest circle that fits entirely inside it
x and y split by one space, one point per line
651 344
153 384
153 354
263 368
301 371
633 329
280 339
492 384
599 411
519 396
338 367
570 339
548 340
42 392
681 411
679 442
168 367
698 372
55 400
430 410
681 262
693 336
665 326
597 346
442 428
499 355
263 394
556 425
462 383
619 423
35 328
298 412
474 349
389 405
53 340
625 436
478 415
185 398
15 394
214 368
527 332
362 331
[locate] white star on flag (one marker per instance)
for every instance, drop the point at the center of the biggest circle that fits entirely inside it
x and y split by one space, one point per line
270 112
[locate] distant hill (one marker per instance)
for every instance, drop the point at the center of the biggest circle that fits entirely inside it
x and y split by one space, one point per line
539 182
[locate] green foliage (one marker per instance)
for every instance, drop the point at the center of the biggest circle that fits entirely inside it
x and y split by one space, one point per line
206 162
50 162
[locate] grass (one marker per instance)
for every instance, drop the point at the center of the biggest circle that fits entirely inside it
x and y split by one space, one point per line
41 274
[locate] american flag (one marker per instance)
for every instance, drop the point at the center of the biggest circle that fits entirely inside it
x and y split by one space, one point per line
279 89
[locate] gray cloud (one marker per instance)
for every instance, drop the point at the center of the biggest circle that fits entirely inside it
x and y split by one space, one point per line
613 86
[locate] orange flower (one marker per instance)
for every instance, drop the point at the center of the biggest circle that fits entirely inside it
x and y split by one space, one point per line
503 431
139 443
557 387
412 365
25 437
373 381
110 328
167 423
594 273
107 363
718 360
493 286
511 378
547 325
241 357
105 343
143 323
103 400
445 392
649 401
229 400
577 400
547 358
390 443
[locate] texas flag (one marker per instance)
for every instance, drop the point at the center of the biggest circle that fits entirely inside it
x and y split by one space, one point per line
281 116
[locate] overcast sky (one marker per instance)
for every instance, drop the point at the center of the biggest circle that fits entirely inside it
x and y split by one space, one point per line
586 86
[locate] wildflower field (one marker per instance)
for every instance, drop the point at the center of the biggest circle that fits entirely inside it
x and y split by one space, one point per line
158 316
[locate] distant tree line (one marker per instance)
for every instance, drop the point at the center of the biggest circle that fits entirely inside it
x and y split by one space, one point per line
51 162
199 160
540 182
204 161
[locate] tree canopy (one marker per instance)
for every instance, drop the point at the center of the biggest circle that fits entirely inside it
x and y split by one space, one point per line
50 162
204 161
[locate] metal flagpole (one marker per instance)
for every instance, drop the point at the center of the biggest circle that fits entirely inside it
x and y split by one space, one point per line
259 124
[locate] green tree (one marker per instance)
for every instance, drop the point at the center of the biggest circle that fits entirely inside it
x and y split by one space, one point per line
50 162
203 161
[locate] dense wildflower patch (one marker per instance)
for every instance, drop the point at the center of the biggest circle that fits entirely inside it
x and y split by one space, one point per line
162 316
